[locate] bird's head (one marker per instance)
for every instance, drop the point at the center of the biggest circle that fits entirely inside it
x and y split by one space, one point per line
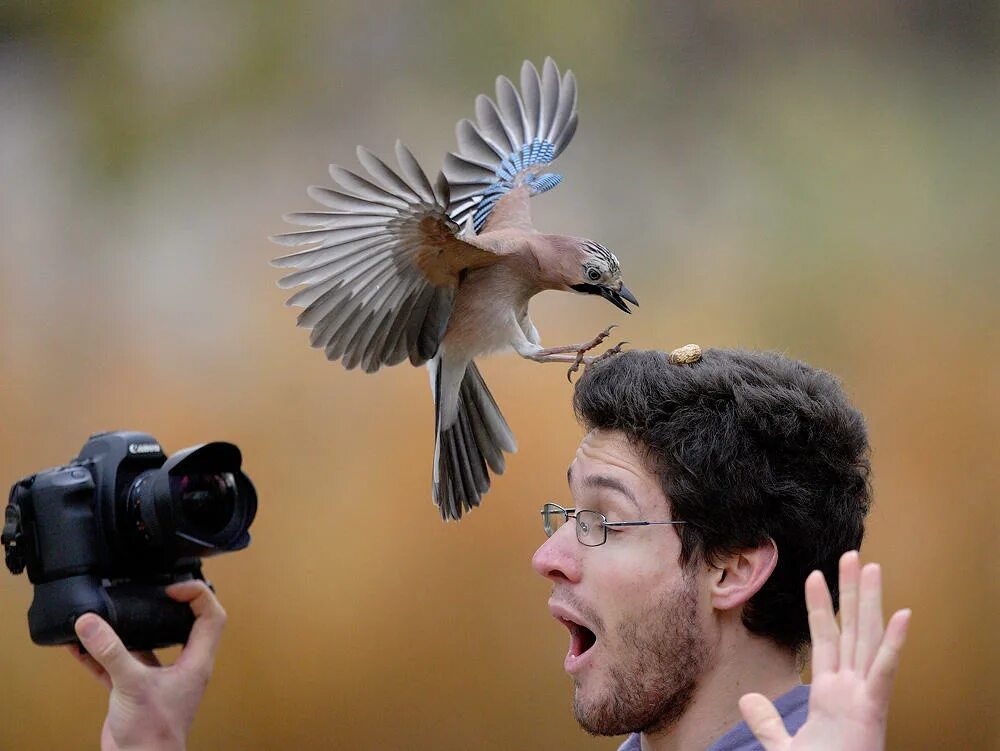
598 273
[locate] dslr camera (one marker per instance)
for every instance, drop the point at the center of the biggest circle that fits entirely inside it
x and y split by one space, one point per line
108 531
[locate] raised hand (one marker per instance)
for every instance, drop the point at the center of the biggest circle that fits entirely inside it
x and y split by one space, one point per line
852 668
151 707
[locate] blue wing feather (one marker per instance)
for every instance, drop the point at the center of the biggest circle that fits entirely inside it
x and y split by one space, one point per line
524 164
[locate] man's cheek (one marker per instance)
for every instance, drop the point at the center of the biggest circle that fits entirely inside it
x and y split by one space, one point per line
634 585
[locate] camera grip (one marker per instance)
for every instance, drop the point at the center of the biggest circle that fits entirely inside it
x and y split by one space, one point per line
142 615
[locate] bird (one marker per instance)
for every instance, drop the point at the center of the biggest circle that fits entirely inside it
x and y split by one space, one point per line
441 273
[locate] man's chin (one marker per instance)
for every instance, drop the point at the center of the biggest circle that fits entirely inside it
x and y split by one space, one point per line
598 701
610 714
596 713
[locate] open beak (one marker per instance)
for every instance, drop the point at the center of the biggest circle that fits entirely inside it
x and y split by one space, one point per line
616 297
624 293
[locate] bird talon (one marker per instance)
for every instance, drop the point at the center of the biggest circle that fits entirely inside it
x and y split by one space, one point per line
595 342
580 359
616 350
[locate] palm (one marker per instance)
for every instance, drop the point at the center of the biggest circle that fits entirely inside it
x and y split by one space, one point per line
853 669
842 714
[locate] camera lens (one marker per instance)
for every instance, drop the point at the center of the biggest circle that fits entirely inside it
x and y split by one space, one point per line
198 503
144 527
207 502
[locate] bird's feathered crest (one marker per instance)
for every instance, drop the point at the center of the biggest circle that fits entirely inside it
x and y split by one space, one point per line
511 142
610 262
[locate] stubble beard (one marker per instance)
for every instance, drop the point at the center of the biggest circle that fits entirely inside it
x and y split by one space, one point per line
661 655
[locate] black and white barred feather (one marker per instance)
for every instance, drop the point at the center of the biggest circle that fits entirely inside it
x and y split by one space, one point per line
512 141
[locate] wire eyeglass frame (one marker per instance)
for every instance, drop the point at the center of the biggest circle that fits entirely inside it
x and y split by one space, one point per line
587 522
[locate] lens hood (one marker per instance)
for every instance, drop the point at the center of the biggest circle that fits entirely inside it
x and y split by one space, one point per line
198 503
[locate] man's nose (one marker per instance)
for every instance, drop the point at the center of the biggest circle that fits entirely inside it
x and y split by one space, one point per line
558 557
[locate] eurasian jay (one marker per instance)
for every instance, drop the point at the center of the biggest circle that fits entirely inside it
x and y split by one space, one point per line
443 273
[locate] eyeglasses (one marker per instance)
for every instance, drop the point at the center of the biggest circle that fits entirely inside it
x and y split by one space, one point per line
591 526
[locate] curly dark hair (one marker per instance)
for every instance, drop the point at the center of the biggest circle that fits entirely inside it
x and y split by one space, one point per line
747 446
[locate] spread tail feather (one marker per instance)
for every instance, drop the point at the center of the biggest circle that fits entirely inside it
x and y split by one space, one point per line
468 448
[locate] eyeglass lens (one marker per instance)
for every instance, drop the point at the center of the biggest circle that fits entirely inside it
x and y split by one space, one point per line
553 517
590 528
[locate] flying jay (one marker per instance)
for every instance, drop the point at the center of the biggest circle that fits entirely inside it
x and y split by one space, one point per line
441 273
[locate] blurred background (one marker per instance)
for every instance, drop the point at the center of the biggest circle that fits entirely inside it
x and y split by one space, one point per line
819 179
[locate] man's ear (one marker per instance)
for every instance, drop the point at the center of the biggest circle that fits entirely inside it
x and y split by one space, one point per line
739 576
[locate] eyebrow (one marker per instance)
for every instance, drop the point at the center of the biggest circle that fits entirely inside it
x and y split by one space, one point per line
605 481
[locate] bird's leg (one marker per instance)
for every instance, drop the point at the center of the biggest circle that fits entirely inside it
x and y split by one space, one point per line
544 354
574 354
616 350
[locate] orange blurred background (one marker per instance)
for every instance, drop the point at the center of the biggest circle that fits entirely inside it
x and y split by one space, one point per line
818 179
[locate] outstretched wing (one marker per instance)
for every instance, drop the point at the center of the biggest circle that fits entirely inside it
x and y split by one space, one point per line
383 265
516 137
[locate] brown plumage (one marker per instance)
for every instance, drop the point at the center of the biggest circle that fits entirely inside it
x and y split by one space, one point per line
443 273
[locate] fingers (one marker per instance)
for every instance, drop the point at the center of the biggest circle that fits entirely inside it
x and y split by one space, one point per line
106 649
822 625
146 658
199 652
863 644
869 617
764 722
883 670
91 665
848 607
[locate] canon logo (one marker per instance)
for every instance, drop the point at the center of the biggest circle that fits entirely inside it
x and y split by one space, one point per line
144 448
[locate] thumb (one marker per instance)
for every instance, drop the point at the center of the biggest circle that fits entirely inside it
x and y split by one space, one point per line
103 644
764 722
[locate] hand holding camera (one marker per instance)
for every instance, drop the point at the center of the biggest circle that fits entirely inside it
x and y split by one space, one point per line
152 707
113 543
108 531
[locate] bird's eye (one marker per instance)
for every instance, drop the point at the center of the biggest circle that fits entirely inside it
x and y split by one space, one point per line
593 274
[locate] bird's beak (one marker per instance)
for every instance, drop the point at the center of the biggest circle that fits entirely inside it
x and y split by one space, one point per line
616 297
623 291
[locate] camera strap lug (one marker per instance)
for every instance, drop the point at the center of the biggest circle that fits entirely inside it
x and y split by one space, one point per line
12 535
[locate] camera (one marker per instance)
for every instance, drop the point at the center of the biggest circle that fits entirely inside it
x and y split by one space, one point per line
108 531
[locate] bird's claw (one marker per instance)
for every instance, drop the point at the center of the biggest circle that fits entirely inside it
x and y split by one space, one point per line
582 359
575 366
616 350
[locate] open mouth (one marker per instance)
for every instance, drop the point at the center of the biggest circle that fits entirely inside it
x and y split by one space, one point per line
581 638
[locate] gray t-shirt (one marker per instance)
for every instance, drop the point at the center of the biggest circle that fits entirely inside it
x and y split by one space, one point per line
792 707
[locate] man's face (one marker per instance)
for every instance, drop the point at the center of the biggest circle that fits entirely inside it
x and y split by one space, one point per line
637 619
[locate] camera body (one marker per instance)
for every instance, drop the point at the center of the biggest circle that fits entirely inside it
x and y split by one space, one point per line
108 531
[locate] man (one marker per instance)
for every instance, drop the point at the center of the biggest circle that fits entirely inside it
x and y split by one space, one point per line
707 489
752 471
